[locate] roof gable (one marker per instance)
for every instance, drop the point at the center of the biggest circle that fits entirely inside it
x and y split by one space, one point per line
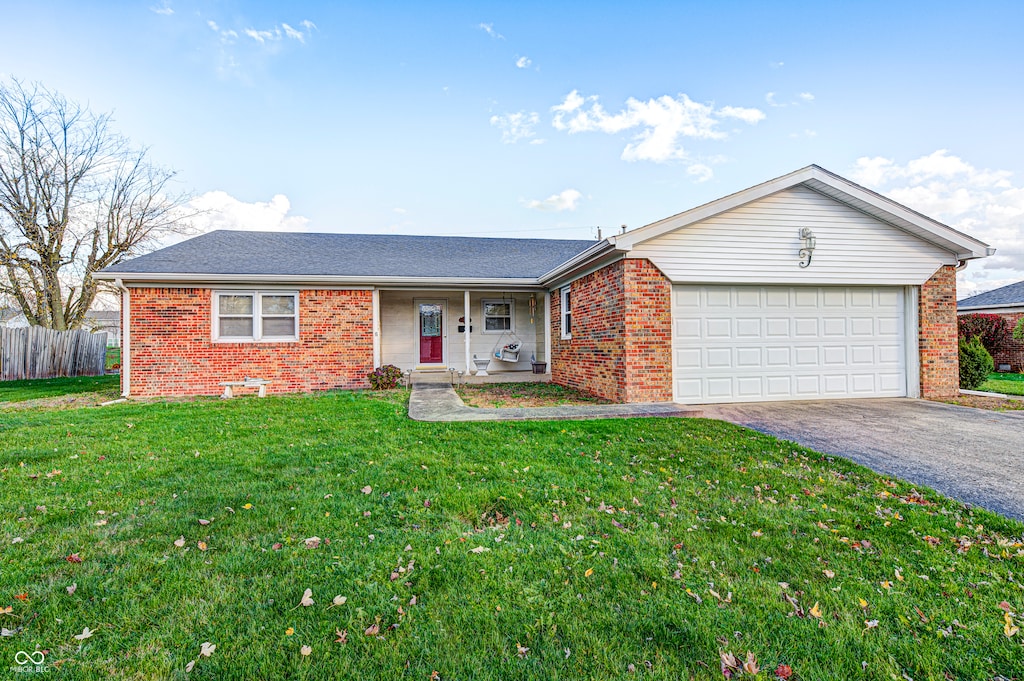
829 184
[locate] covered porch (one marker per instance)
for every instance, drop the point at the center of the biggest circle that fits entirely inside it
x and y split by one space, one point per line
505 333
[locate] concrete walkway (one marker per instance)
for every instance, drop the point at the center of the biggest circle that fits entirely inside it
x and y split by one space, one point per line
972 455
434 399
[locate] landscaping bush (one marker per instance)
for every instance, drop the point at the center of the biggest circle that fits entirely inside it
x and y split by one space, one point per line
992 329
385 377
1018 331
975 363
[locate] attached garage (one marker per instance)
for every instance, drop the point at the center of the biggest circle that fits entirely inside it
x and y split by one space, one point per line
755 343
807 286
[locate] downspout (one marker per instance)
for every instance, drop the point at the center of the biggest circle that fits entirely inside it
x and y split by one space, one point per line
126 337
961 264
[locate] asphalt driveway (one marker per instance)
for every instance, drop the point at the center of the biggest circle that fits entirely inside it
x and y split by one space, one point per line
972 455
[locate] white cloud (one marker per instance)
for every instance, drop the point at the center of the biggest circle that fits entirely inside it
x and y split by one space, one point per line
516 126
489 30
564 200
281 32
806 96
164 9
523 63
701 172
776 64
661 123
983 203
769 97
220 210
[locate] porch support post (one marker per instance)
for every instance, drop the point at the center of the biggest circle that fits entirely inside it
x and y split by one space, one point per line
466 327
547 330
376 328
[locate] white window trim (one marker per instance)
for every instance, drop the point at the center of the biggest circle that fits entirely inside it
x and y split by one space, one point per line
257 316
511 315
564 302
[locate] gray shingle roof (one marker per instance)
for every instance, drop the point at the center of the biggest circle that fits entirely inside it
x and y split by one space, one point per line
1007 295
356 255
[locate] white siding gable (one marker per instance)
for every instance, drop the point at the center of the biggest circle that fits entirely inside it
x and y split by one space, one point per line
759 243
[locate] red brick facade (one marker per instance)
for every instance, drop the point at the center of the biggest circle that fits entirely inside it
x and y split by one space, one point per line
621 345
937 336
1012 352
172 352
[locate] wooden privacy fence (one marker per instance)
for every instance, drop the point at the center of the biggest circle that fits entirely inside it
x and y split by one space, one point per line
36 352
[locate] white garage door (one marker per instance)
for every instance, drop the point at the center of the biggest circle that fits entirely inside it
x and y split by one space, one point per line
758 343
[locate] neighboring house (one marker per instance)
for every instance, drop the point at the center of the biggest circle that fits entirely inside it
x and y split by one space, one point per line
108 321
807 286
1008 302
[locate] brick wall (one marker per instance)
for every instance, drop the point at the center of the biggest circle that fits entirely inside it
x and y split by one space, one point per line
621 334
1012 352
937 335
172 353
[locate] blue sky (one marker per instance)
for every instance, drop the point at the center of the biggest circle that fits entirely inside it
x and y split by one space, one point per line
548 119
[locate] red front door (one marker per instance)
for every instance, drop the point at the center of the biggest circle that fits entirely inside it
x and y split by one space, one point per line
431 333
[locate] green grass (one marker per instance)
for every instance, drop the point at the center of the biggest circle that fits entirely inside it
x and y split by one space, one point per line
33 389
608 542
517 394
1007 384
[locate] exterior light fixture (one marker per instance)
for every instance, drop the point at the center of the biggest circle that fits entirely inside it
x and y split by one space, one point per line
807 236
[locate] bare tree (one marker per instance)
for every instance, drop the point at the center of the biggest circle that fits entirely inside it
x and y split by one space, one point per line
75 197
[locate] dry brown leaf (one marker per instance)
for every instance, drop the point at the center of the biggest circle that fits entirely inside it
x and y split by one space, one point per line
307 598
202 545
180 541
750 664
73 588
306 651
366 490
203 521
86 633
372 630
207 648
342 635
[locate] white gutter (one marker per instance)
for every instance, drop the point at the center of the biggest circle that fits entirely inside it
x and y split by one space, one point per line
294 279
595 251
126 337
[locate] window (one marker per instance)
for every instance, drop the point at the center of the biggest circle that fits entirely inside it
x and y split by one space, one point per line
498 315
241 316
566 312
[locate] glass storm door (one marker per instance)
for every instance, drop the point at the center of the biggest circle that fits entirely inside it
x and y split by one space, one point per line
431 333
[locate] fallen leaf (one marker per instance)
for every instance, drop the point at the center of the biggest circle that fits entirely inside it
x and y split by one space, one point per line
366 490
86 633
828 573
815 610
180 541
479 549
207 648
74 558
372 630
338 600
190 666
277 546
589 572
17 540
247 507
73 588
307 598
783 671
312 542
342 635
870 624
426 503
4 632
21 597
203 521
750 665
863 603
757 533
521 651
289 631
886 584
306 651
1005 607
202 545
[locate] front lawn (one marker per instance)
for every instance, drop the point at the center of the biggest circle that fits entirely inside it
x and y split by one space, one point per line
1007 384
330 537
34 389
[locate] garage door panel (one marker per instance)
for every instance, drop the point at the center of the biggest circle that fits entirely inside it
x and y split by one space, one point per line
752 343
